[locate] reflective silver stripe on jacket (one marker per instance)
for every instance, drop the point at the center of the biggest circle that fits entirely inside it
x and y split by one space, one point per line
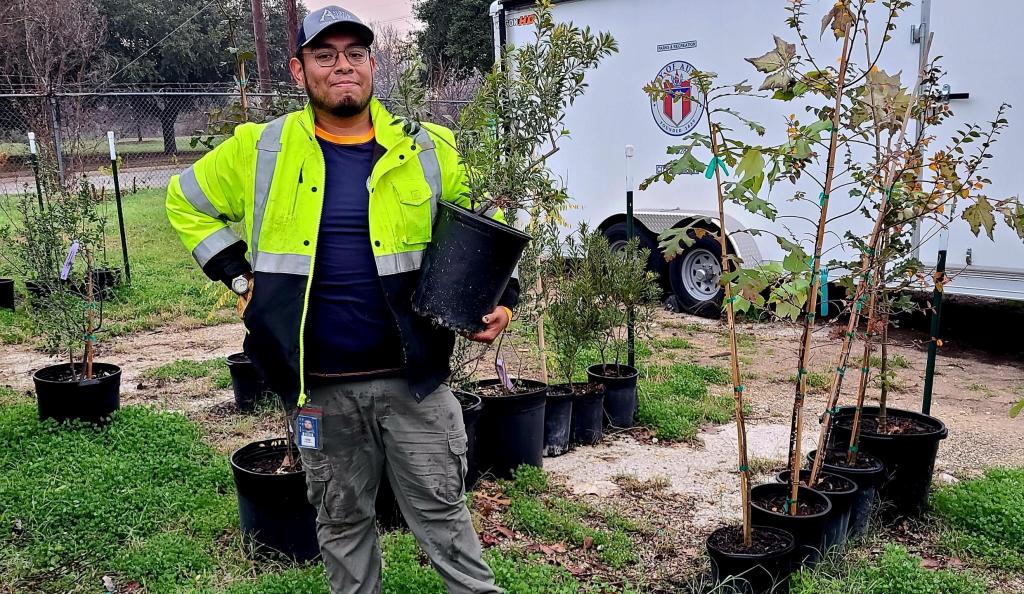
282 263
214 244
397 263
195 194
431 168
267 148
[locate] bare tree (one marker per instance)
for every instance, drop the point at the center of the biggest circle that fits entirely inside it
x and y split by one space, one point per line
393 53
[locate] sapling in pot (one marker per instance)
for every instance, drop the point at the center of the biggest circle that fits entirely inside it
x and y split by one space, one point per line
575 409
747 558
625 291
505 137
67 313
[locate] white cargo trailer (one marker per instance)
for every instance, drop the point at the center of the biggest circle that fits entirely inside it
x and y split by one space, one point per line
980 49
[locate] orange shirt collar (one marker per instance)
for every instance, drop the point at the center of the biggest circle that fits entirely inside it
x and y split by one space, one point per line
336 139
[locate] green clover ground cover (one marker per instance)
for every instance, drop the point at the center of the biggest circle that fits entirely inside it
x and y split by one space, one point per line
895 572
146 500
986 518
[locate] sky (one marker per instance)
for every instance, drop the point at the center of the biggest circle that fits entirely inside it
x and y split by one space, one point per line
395 12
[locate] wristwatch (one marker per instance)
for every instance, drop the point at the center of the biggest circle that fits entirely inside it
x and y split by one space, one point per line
240 285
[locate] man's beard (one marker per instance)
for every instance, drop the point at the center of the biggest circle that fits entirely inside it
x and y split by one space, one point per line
347 107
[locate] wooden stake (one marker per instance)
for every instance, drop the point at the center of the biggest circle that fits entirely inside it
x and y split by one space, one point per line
737 381
89 329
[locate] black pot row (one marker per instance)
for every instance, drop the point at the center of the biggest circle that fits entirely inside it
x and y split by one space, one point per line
105 280
898 467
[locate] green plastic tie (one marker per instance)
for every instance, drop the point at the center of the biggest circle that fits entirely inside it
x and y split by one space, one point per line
853 449
715 162
823 198
801 372
870 250
834 410
851 334
841 371
91 337
738 389
865 370
731 299
744 469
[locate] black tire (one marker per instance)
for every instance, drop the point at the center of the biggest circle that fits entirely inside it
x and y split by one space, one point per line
616 234
702 293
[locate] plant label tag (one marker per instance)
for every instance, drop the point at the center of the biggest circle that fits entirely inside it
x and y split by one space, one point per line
307 428
503 374
66 270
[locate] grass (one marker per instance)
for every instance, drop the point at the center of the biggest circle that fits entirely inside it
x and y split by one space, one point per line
744 342
553 518
675 402
673 343
895 572
759 465
896 361
167 284
815 380
183 369
146 500
986 518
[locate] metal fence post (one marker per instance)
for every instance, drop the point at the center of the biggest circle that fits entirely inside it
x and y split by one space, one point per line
58 146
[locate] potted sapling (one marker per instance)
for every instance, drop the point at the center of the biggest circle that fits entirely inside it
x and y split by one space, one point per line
747 558
67 313
575 408
626 292
274 511
505 136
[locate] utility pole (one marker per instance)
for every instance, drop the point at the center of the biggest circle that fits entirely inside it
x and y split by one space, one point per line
293 23
259 32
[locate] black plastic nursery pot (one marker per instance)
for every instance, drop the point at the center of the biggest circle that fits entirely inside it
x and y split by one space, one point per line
909 457
37 289
511 427
588 416
765 567
274 511
246 381
868 473
842 493
105 280
466 267
6 293
557 420
620 400
808 528
62 398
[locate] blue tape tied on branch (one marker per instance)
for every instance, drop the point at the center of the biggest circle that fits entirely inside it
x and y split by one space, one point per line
716 162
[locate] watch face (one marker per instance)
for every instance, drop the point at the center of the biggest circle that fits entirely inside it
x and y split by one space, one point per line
240 285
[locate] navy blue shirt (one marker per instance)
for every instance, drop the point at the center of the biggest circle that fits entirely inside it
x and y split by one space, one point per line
349 326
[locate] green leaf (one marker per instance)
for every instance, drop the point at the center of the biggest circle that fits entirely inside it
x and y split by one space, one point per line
775 59
795 263
1016 409
751 165
979 215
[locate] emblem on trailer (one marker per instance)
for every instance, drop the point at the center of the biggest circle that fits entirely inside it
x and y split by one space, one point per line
679 111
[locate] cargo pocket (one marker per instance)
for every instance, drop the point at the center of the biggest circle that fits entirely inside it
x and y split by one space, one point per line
318 478
455 475
416 218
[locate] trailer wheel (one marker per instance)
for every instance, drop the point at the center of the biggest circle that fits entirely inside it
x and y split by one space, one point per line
616 236
695 276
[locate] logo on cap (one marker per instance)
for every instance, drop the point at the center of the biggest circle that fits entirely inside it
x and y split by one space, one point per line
330 16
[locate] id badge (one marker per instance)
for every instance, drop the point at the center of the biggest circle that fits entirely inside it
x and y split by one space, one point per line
307 428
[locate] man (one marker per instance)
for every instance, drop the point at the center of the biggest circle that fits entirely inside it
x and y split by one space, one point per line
337 205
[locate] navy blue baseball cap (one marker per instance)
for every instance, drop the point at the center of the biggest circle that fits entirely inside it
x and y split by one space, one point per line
329 17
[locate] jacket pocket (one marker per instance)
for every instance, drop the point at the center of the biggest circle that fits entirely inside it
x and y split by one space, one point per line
414 204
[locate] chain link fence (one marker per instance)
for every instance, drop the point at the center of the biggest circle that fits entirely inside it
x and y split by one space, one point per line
156 133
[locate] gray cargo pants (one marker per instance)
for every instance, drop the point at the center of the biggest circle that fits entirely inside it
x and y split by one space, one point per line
366 423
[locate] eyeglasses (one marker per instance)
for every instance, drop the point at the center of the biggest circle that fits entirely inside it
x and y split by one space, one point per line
327 57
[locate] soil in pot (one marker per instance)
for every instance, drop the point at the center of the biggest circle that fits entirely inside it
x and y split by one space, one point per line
868 472
466 267
246 381
61 396
908 455
511 426
842 493
587 414
276 516
620 399
557 420
763 567
768 508
7 293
